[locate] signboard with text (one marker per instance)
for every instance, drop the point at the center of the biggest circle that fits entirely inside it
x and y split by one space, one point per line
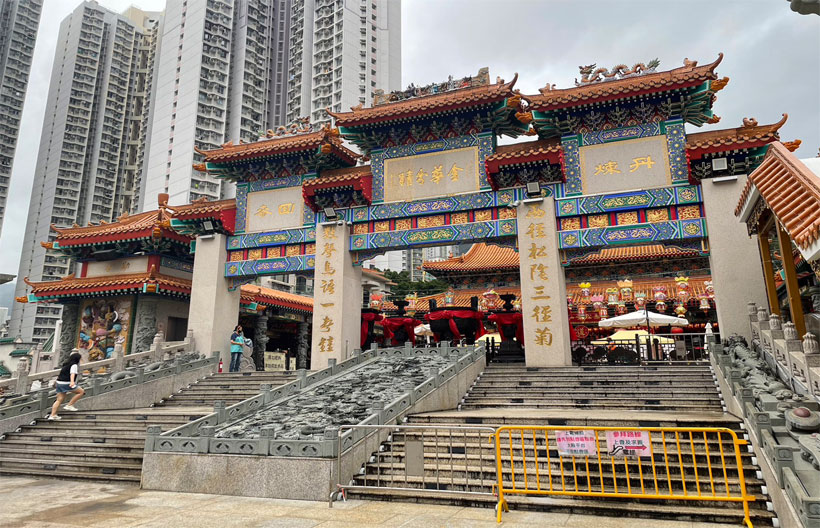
275 361
576 443
431 175
620 165
628 443
275 209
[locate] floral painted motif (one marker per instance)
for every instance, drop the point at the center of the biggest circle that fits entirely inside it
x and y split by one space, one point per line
598 221
688 212
568 224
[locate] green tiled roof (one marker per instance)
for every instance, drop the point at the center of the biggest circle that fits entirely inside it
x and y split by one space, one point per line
4 371
6 340
19 352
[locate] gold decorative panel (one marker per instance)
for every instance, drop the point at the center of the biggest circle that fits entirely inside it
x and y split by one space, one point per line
459 218
431 221
254 254
403 224
292 251
657 215
506 213
310 249
627 218
688 212
236 256
360 229
598 220
570 223
381 226
483 215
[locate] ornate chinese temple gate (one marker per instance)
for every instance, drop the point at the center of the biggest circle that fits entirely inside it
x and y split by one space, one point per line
612 167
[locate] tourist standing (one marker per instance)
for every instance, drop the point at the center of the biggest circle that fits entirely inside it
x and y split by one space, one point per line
237 340
67 382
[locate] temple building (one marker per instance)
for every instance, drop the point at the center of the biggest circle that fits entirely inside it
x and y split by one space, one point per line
611 198
134 279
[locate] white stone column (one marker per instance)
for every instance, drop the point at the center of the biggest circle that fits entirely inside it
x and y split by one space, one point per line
543 288
737 271
337 298
214 310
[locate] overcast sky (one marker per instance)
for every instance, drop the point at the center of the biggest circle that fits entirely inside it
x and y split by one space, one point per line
772 56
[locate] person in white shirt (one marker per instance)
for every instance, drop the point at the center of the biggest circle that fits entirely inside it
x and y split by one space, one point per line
67 381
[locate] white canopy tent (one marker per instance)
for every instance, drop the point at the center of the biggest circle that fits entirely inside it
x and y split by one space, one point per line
642 318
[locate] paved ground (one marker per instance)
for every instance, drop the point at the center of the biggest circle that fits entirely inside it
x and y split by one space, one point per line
58 504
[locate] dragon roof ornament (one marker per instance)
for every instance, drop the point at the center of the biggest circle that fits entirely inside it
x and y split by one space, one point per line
412 91
591 74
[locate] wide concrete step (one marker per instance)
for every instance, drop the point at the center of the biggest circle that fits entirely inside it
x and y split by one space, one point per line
548 404
80 422
74 455
608 395
14 443
71 475
640 510
99 429
132 440
99 469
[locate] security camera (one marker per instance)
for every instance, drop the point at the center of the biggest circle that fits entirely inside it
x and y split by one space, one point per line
340 222
514 204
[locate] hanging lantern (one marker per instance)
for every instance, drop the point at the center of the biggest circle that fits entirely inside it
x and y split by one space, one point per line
597 301
612 296
626 289
683 288
659 294
582 312
704 303
621 308
640 301
680 310
585 286
603 312
411 303
482 304
517 304
709 288
569 301
492 298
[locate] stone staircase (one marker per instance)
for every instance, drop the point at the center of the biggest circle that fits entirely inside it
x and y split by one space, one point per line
462 463
230 387
108 445
655 388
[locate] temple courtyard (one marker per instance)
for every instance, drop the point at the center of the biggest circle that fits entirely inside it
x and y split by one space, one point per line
125 506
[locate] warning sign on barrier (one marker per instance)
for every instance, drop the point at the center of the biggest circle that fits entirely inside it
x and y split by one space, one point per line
628 443
576 443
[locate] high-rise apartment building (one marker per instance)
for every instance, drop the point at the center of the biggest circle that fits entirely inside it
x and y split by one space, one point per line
220 77
341 51
91 145
18 30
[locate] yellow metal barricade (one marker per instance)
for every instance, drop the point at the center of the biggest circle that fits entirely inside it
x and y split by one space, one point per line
661 463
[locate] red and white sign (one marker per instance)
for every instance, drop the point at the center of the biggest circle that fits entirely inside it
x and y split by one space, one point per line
628 443
576 443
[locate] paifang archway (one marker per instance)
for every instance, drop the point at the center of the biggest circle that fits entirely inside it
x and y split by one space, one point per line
436 175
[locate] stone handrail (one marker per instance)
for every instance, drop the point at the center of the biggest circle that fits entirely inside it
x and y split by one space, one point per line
159 350
41 400
199 436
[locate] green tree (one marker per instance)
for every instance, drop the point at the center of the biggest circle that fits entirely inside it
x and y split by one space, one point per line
404 286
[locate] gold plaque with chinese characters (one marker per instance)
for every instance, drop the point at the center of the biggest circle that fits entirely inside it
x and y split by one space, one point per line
632 164
429 175
275 209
